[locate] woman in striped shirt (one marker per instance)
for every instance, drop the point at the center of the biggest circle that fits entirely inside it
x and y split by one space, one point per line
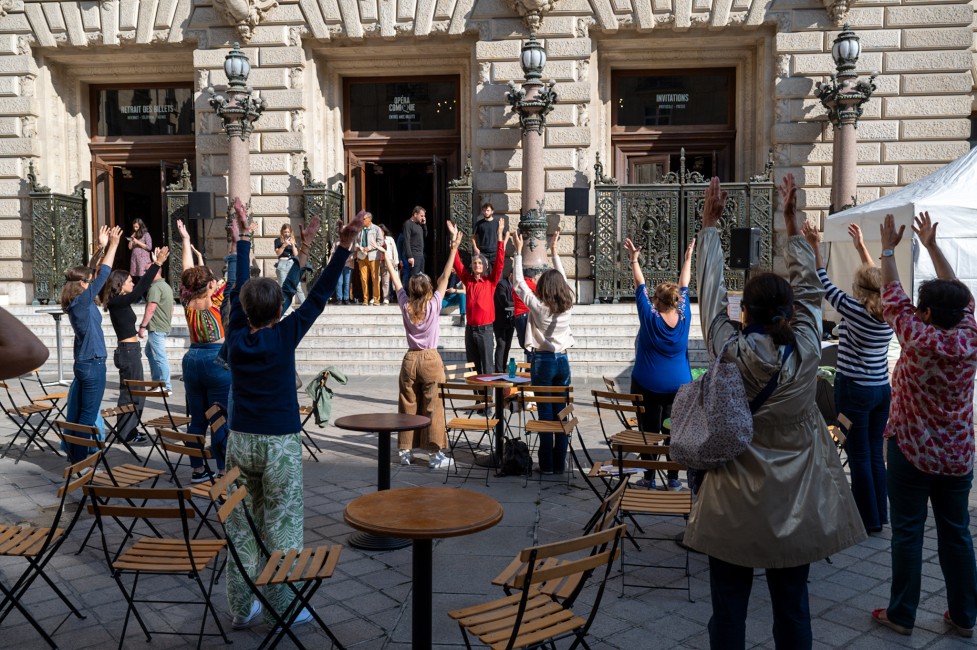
862 391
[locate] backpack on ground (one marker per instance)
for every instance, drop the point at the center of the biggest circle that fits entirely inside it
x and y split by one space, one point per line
516 460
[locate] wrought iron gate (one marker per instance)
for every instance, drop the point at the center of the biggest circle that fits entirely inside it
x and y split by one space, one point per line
327 204
461 208
58 236
662 218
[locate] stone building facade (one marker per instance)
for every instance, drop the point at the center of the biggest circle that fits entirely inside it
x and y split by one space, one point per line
57 59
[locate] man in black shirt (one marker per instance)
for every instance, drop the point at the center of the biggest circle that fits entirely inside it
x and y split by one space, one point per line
485 236
414 232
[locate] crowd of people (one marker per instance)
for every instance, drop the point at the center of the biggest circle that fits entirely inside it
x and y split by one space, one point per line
782 504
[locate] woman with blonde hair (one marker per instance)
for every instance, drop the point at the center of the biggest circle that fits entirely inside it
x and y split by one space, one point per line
548 338
287 253
862 391
661 362
422 368
82 285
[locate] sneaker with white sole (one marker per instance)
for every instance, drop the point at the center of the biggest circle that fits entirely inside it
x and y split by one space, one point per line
440 461
406 456
242 622
675 485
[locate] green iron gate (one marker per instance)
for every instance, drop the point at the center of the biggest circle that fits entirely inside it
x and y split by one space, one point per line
58 237
327 204
662 218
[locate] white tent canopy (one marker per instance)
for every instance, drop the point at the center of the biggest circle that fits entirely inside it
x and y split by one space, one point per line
949 195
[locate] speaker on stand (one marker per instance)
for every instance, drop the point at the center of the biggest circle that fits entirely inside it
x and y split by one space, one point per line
200 207
744 250
576 201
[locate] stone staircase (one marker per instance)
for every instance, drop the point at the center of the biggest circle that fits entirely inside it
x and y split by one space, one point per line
370 340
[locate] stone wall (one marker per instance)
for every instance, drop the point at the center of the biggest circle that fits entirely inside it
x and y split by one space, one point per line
300 50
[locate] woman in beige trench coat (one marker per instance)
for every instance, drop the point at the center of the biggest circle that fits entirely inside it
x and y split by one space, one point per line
784 502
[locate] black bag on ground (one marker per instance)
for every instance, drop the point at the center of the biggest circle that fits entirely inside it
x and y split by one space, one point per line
516 460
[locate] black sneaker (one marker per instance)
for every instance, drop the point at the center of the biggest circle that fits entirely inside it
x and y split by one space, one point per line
201 477
136 439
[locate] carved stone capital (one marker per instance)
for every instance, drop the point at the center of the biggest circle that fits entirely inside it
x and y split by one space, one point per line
244 14
532 11
838 10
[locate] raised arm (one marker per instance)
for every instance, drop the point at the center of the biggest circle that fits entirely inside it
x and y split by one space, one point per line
685 275
713 318
634 252
925 229
555 257
859 243
20 349
503 239
103 242
890 239
808 290
198 257
241 239
813 237
446 272
115 234
187 247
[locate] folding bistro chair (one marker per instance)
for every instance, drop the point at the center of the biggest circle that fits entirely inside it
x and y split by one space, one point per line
190 445
530 397
127 475
37 546
533 619
170 556
115 417
22 417
637 501
300 571
307 412
606 516
147 389
475 402
626 408
58 399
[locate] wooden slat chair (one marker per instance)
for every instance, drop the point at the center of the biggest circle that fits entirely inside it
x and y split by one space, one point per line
22 416
301 571
612 387
127 475
184 446
57 398
154 389
625 407
607 515
473 402
306 412
658 503
169 556
115 417
533 619
38 545
457 373
530 397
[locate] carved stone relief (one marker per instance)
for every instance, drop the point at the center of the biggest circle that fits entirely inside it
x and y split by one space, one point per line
244 14
532 11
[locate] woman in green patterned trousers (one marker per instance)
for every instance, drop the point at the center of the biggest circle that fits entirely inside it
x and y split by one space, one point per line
264 441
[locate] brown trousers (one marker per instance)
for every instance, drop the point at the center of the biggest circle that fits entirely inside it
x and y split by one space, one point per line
369 277
420 373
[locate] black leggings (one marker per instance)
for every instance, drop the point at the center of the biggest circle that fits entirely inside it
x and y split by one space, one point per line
657 409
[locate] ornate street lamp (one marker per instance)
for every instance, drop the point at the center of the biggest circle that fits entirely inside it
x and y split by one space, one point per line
843 96
533 102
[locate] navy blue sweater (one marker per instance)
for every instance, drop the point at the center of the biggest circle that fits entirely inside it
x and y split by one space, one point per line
263 362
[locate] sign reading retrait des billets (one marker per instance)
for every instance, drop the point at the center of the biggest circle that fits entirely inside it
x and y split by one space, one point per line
145 111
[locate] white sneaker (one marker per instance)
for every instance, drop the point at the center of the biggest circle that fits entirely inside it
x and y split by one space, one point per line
386 302
406 456
440 461
242 622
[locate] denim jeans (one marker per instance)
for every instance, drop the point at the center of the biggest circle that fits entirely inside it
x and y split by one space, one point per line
342 285
454 299
868 409
281 270
85 400
909 490
206 382
159 365
731 585
551 369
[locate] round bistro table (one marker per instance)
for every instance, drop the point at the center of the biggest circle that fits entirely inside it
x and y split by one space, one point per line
423 514
383 424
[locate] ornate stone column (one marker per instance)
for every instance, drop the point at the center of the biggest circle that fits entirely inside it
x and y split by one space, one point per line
238 112
532 103
843 97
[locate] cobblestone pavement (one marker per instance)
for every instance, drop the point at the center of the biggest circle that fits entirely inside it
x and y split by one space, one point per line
367 602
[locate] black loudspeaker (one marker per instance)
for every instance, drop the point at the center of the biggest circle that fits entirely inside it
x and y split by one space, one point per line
200 205
576 200
744 248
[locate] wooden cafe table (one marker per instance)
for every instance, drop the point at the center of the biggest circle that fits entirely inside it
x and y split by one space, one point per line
383 424
423 514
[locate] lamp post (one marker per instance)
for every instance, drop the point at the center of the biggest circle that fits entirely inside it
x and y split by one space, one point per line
843 97
532 103
238 111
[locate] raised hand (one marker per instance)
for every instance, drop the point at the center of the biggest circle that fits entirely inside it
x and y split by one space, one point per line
160 255
925 229
103 236
788 192
310 230
182 229
811 234
887 231
856 235
555 240
715 201
242 214
348 233
115 234
517 239
456 239
452 228
501 228
690 249
633 251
